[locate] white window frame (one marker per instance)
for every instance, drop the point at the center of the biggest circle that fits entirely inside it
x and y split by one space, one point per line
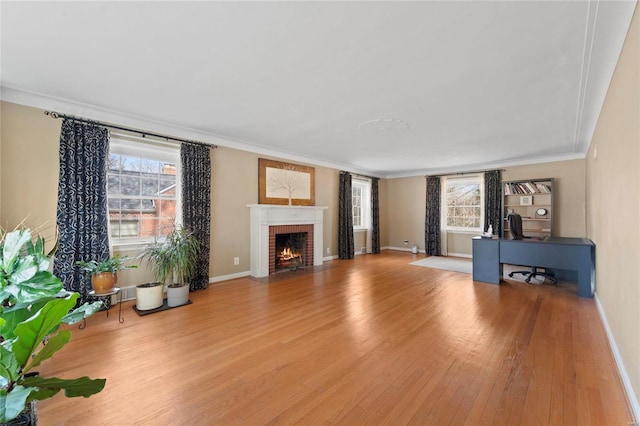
467 179
153 150
365 185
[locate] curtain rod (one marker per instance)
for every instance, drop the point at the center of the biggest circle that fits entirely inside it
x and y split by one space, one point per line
475 172
56 115
359 175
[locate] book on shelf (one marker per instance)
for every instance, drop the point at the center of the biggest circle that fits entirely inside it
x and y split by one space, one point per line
525 188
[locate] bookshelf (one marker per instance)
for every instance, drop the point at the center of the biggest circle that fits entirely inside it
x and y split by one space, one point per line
527 198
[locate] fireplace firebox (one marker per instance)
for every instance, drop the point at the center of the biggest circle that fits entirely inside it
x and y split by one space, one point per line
290 247
290 251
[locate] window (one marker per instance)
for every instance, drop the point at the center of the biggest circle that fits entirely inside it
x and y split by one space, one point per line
143 187
463 203
360 196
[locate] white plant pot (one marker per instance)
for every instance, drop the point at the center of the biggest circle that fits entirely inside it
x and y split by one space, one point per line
177 296
149 297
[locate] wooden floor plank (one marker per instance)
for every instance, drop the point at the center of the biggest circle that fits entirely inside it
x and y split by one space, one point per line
372 340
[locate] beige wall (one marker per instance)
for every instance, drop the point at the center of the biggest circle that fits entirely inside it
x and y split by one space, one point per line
404 211
613 206
28 168
405 204
29 185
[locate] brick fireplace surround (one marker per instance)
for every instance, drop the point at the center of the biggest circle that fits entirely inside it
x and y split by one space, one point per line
269 219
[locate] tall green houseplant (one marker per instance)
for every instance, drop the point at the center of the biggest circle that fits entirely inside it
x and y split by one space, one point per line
33 306
174 257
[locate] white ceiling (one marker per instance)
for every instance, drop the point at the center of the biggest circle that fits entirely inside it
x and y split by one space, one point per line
479 84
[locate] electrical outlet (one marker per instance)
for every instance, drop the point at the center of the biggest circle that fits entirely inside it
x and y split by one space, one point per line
406 242
328 250
236 261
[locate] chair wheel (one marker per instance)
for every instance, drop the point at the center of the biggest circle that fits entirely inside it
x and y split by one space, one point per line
511 274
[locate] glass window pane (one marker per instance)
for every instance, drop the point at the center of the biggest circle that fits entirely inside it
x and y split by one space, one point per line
130 164
113 184
149 185
166 168
167 187
113 204
130 204
114 162
166 209
130 185
151 167
148 206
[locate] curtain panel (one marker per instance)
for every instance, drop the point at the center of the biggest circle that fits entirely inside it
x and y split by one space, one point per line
375 217
196 206
82 203
345 218
432 219
493 201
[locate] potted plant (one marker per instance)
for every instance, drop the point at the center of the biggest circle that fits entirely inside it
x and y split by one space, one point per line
104 272
174 257
33 306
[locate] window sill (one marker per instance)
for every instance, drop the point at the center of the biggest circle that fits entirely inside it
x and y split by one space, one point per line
130 246
464 231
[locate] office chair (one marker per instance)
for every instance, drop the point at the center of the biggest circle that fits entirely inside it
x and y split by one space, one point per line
515 227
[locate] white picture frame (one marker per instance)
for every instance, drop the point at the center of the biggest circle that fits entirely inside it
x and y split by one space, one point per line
526 200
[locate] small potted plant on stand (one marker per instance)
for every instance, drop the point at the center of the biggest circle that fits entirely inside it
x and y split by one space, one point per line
175 257
33 306
104 272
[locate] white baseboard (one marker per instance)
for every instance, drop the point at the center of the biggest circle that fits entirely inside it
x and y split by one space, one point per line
229 277
400 249
631 396
328 258
465 255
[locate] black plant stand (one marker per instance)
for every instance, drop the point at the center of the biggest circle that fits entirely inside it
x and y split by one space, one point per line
115 291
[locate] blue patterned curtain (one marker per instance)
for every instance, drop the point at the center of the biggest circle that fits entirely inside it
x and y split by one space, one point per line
82 202
345 218
493 201
196 206
375 217
432 222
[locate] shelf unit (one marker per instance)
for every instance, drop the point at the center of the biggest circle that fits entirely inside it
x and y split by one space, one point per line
537 193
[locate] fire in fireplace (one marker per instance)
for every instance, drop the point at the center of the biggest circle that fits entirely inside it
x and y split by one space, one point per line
290 248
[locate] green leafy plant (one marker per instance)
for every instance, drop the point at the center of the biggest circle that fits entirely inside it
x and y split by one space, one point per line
33 306
112 264
173 257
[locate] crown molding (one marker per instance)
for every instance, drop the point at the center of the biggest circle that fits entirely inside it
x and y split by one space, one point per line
487 166
610 21
66 106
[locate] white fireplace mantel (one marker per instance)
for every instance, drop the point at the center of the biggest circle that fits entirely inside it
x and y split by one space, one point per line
265 215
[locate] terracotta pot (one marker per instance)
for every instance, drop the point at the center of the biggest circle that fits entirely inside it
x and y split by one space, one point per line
103 282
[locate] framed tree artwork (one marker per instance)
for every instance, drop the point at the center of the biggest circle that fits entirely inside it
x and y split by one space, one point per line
285 183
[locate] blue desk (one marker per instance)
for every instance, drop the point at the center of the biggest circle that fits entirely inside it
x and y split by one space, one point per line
573 254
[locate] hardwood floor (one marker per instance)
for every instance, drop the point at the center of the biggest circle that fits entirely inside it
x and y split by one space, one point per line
369 341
